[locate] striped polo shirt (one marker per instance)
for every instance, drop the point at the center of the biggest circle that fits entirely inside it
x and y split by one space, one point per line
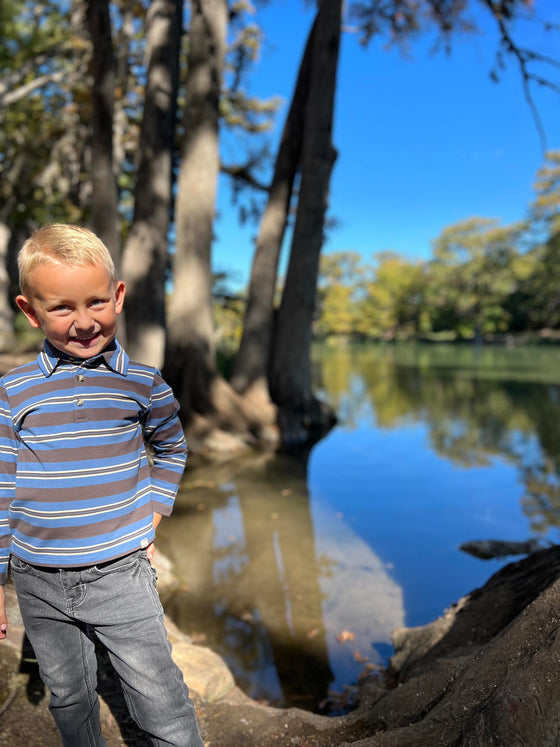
89 449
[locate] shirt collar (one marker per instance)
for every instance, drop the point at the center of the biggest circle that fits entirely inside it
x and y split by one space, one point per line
113 356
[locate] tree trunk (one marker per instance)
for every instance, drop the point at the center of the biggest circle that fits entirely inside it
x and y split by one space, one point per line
190 355
301 416
250 369
104 196
7 335
144 261
214 415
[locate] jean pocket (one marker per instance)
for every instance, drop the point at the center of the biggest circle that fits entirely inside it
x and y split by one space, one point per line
117 565
18 565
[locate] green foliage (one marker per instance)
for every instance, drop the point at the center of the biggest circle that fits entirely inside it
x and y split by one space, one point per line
472 275
340 282
546 206
390 308
33 108
228 310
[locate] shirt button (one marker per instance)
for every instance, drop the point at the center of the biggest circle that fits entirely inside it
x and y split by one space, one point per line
81 377
80 402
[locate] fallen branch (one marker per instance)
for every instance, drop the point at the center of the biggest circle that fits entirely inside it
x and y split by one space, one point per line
8 702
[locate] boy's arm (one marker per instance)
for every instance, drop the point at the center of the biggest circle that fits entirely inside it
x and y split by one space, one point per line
8 463
164 434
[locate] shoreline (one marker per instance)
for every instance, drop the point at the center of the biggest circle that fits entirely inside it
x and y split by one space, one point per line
492 658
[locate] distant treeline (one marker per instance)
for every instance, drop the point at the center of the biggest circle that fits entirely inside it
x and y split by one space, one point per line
483 281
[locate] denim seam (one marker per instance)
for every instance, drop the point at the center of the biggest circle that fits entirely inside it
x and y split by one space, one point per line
90 691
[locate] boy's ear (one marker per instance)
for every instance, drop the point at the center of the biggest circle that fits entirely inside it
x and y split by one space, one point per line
28 310
119 296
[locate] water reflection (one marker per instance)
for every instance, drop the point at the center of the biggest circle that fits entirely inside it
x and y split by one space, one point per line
282 608
478 404
297 571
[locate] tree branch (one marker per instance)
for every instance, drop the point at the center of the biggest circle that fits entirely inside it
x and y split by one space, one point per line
11 97
523 57
243 173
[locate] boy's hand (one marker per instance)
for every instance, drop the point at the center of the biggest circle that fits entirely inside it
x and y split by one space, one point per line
3 618
152 547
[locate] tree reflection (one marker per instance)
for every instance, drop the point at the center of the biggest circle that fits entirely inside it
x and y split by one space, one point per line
242 543
478 405
284 575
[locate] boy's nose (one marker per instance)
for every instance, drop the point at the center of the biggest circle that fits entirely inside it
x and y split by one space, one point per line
83 321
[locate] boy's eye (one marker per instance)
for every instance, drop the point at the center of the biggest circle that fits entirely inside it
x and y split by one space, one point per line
98 301
60 307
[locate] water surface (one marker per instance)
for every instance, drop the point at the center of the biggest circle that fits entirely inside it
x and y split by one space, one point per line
297 571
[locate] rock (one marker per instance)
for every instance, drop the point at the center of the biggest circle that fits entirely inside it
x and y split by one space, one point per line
205 672
487 549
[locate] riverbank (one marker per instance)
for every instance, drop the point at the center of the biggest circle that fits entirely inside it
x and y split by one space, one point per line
227 717
24 717
486 672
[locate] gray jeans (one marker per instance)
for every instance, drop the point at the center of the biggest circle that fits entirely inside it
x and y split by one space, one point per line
119 602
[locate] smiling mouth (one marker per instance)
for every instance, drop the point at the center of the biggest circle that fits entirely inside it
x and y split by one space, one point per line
85 340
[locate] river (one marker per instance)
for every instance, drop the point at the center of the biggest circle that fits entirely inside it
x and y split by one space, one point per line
297 571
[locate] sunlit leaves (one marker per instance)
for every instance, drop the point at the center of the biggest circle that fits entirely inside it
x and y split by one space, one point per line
547 186
391 302
340 279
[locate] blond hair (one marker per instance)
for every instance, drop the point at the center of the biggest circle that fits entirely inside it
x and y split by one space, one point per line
61 244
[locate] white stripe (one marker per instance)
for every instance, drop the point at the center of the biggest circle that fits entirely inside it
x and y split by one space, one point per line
70 474
86 549
71 513
86 433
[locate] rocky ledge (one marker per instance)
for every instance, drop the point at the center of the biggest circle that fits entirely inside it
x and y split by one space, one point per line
485 673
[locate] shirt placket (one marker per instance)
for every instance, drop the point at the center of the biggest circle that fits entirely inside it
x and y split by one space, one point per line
80 406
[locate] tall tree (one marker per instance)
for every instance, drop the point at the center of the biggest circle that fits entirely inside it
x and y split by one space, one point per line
145 256
389 308
475 260
250 369
339 288
300 413
104 185
541 289
190 364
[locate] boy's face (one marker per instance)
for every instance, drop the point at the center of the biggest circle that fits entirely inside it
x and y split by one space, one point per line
76 307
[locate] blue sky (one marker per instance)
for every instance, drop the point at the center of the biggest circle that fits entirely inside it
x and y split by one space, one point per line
424 140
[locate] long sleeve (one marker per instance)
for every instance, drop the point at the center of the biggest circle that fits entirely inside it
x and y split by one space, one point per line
8 463
164 435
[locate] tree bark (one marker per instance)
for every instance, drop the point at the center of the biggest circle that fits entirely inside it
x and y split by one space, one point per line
190 354
7 335
250 368
300 414
145 257
104 196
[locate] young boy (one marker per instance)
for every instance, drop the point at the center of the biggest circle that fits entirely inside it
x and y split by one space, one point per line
80 500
